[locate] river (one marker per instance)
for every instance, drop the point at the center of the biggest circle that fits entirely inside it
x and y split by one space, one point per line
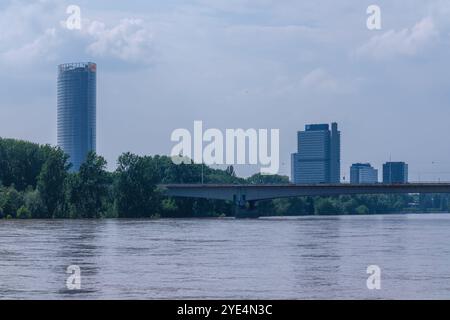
270 258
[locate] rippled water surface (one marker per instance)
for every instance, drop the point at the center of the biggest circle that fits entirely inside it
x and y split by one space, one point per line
274 258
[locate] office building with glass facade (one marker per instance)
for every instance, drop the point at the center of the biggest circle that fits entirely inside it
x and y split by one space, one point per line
395 172
318 155
363 173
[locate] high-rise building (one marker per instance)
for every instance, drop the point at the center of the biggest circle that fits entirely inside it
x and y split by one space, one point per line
318 155
77 110
395 172
363 173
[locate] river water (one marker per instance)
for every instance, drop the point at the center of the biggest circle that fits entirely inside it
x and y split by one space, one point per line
272 258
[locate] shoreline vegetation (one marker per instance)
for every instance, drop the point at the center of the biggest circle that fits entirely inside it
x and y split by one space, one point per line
36 183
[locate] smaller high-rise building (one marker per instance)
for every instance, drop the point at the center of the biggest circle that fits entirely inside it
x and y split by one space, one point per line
395 172
363 173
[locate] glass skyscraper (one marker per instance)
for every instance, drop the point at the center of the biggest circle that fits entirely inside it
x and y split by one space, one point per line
76 104
318 155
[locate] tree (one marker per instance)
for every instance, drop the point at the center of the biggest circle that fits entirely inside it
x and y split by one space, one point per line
33 203
169 207
348 204
10 200
300 206
89 187
362 209
259 178
325 206
23 213
21 162
51 181
136 193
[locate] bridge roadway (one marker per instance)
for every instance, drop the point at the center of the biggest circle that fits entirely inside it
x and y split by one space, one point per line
243 193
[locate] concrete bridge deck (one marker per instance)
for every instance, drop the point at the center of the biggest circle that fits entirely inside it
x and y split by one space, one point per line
241 193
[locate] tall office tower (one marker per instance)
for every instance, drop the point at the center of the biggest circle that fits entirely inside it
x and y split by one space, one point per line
363 173
318 155
395 172
77 110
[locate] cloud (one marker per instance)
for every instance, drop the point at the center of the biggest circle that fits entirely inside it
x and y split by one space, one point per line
34 33
236 6
319 80
39 48
129 41
407 42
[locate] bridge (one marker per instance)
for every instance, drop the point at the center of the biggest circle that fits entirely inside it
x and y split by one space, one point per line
245 196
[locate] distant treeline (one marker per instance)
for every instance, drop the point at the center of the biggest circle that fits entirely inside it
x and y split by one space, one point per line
35 182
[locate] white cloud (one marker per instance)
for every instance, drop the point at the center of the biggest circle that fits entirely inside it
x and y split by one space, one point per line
35 33
129 41
236 6
39 48
409 41
319 80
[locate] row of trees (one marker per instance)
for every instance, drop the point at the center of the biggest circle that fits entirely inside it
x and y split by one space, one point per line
36 182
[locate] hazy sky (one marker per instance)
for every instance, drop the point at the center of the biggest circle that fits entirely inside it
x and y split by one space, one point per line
239 64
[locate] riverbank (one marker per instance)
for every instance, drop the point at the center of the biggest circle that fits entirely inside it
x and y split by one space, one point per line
36 182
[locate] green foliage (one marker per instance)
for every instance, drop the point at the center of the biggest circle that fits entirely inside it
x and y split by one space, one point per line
51 181
21 162
10 201
362 209
35 182
23 213
89 188
348 204
294 206
169 206
326 206
136 186
34 204
267 179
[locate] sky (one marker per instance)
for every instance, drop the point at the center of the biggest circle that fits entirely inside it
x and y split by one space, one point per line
239 64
